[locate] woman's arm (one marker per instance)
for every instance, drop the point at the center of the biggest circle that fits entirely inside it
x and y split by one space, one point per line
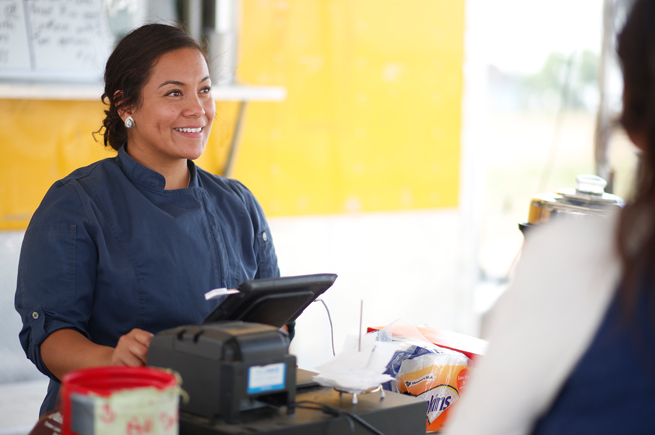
541 327
66 350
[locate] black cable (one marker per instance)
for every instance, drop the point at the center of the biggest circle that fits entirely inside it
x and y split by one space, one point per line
364 423
351 425
330 320
350 417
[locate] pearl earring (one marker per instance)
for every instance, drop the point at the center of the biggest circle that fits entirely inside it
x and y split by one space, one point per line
129 122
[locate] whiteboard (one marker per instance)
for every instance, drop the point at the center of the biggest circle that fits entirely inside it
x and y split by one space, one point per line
54 40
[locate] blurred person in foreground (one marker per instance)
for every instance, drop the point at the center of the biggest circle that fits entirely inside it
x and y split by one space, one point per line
572 342
128 246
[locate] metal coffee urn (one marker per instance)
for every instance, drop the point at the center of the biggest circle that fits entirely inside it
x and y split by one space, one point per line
588 198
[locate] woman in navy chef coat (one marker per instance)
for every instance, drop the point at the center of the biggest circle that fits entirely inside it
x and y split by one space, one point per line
126 247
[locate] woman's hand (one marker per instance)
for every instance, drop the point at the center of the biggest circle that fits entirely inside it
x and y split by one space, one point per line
66 350
132 348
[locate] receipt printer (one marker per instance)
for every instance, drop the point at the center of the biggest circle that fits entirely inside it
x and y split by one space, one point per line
227 367
238 359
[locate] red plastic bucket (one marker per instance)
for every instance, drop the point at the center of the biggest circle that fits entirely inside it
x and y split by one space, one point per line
120 400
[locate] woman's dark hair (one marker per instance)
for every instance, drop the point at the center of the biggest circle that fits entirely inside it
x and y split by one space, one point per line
130 66
636 231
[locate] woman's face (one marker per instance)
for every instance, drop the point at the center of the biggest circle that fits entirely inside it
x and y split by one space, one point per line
175 116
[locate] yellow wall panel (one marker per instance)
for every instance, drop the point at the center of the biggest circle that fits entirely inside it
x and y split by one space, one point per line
372 117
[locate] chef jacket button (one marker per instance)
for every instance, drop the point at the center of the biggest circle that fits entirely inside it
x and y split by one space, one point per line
265 236
35 315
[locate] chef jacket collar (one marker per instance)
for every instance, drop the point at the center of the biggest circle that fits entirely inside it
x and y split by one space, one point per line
146 177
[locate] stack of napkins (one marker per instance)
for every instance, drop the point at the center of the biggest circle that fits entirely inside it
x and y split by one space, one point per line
356 369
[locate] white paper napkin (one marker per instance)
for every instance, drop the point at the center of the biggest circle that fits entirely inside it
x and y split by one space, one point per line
356 370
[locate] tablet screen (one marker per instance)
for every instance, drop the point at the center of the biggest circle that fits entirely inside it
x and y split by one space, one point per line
272 301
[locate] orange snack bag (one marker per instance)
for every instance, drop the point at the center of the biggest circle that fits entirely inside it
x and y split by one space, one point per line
424 370
436 378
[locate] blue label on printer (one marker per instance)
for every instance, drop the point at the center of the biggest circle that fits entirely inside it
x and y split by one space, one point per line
266 378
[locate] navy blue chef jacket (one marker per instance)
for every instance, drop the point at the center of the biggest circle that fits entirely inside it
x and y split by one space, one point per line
109 250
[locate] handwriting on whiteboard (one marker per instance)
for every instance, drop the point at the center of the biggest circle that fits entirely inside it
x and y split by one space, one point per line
53 38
